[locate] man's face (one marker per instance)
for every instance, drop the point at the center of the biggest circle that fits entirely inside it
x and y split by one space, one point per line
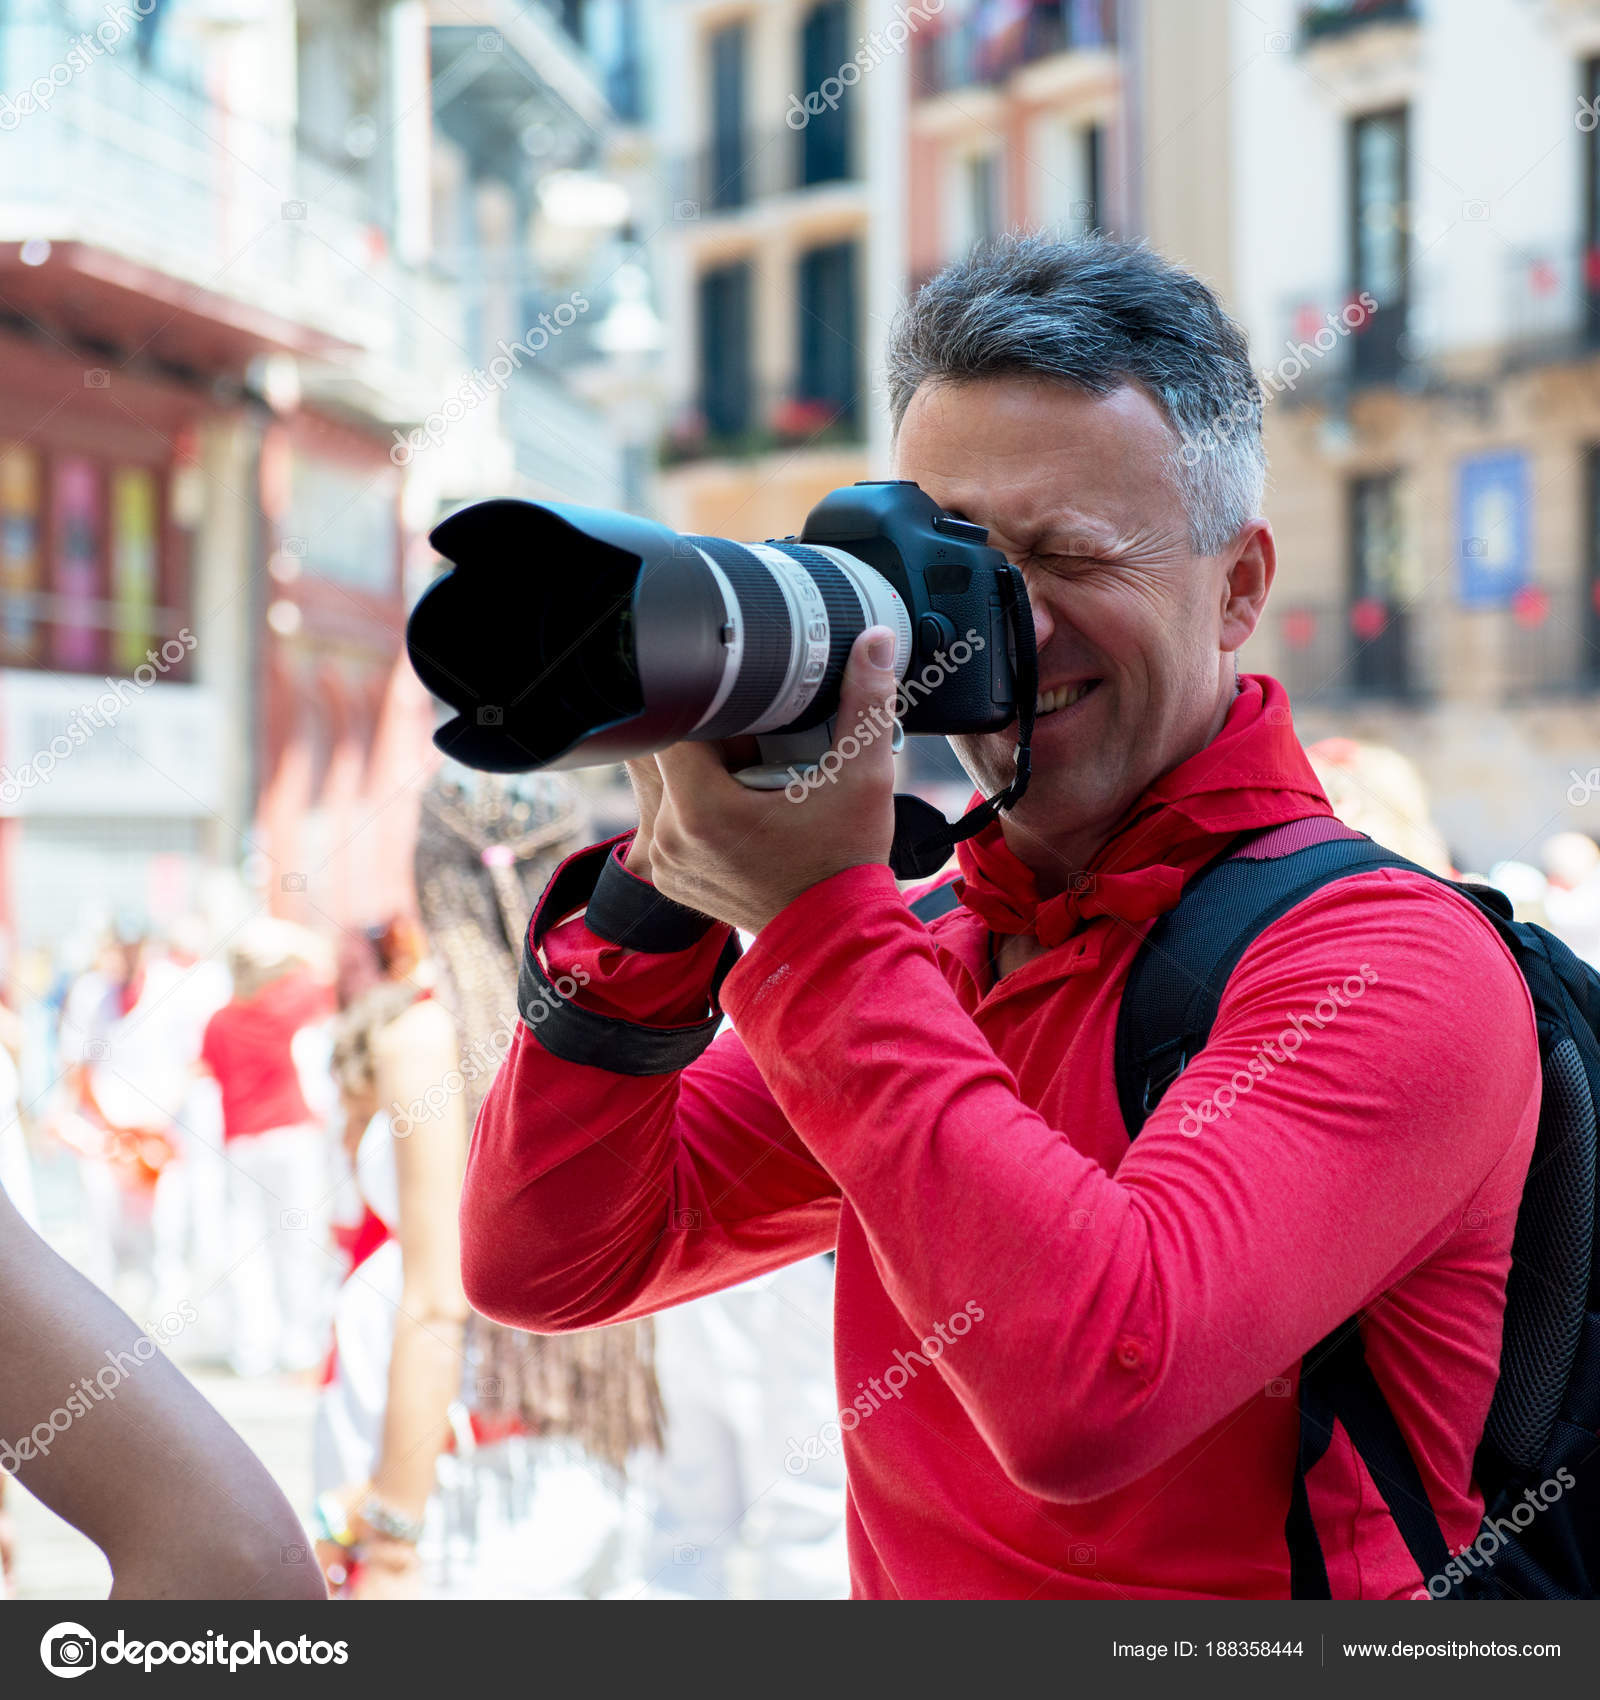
1076 491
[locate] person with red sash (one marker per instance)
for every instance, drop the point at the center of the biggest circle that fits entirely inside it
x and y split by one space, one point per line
1066 1363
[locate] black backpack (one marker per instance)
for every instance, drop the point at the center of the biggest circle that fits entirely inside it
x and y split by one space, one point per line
1540 1452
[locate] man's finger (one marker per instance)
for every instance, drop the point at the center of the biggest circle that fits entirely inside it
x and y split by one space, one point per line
867 691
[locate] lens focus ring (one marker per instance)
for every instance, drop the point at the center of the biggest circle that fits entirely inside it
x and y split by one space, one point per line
846 622
768 638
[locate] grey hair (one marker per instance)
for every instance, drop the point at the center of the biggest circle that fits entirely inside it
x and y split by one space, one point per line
1096 314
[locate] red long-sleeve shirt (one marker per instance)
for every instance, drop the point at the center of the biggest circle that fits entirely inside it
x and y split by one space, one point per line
1118 1416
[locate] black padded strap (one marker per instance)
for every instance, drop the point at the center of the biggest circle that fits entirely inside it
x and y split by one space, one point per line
1178 978
1337 1384
940 900
564 1028
624 909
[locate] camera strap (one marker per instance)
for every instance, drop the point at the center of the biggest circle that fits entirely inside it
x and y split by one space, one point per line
923 839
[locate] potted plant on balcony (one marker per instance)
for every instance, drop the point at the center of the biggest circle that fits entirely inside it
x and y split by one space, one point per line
799 419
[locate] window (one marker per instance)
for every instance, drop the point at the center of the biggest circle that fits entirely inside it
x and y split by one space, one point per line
1589 659
727 184
828 338
1067 176
1589 270
1379 254
725 398
824 47
1379 636
21 562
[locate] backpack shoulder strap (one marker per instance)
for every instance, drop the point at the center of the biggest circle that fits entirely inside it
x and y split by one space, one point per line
1182 968
937 900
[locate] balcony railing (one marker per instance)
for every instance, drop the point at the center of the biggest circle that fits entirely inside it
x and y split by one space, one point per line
1330 339
993 40
732 173
1552 643
1320 22
785 420
159 175
1553 304
1367 649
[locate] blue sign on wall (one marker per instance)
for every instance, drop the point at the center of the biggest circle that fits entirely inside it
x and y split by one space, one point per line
1494 529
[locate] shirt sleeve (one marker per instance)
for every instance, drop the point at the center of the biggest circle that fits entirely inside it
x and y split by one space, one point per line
1127 1314
626 1158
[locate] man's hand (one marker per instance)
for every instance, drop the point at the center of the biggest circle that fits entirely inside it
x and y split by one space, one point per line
741 855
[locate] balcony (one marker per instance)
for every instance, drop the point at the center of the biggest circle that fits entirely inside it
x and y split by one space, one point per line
1552 305
993 40
775 423
1328 342
1324 22
176 228
733 173
1336 653
1552 643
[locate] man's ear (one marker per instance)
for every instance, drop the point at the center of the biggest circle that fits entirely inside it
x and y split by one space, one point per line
1244 591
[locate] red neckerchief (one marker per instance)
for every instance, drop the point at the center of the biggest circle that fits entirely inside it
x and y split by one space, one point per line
1251 776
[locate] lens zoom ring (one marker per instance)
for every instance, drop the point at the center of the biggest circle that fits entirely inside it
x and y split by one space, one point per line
768 637
846 623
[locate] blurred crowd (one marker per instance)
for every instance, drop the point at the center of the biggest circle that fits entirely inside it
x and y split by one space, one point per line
256 1140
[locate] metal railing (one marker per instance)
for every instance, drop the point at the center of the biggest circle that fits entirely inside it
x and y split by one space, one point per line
1320 22
731 173
1552 304
155 172
992 41
1368 650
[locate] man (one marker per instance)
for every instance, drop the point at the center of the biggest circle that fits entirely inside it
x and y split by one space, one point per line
1066 1364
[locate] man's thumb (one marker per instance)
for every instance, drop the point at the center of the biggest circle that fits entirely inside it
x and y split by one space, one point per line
869 684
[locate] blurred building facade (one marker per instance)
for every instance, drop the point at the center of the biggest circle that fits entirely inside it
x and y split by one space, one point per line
780 129
277 287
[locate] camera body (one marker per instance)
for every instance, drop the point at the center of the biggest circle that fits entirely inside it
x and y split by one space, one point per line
949 579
